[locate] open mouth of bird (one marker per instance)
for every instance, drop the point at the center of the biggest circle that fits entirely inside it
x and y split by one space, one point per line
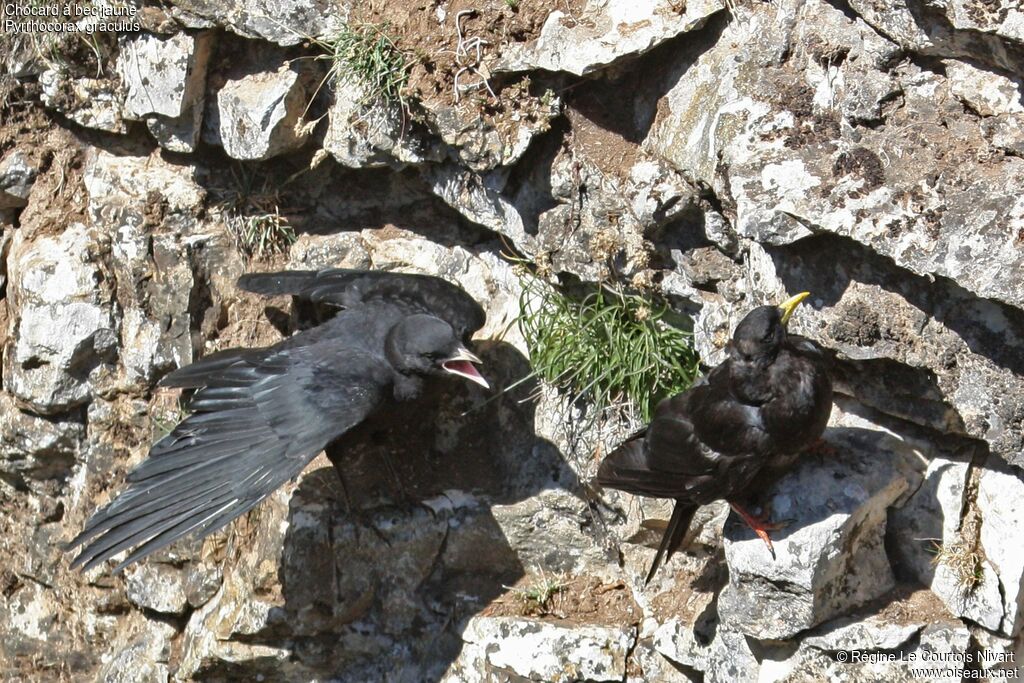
462 364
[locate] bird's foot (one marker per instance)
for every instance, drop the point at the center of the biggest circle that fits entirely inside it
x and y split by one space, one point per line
760 524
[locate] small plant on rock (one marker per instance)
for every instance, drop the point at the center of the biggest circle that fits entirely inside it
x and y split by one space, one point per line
538 595
367 55
606 347
252 214
964 562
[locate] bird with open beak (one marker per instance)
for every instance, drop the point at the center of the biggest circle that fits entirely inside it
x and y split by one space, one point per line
733 433
259 416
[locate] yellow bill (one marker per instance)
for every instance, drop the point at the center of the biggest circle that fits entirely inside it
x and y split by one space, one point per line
789 305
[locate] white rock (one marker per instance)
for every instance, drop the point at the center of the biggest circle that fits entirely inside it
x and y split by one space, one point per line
986 92
365 133
90 102
156 586
541 651
65 321
1001 504
478 197
830 558
165 84
163 75
260 115
604 32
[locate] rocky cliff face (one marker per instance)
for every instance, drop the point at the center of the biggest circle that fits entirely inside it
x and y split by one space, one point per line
719 154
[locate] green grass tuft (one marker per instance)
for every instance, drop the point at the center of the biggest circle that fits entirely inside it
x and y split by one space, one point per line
608 348
250 206
537 596
261 235
367 55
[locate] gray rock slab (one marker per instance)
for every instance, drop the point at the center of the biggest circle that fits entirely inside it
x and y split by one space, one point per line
66 327
163 75
604 32
831 557
260 115
540 651
992 33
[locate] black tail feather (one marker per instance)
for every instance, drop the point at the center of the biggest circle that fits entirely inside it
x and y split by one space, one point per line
682 515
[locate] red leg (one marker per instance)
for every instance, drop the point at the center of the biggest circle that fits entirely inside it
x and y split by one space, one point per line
760 525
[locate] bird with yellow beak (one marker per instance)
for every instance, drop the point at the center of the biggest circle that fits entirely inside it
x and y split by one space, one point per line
735 432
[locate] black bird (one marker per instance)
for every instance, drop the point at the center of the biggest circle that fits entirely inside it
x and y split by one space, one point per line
259 416
733 433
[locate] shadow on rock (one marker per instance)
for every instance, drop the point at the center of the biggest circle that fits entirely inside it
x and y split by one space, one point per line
380 586
831 555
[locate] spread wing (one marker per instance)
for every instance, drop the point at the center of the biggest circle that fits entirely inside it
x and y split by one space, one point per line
259 416
347 288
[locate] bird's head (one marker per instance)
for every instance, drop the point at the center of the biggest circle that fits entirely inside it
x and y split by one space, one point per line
761 332
425 345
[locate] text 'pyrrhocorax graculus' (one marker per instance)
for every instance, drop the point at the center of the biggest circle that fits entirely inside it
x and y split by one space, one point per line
259 416
732 433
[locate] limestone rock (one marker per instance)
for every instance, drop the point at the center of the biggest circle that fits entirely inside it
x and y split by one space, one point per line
36 447
942 648
90 102
478 197
931 520
722 655
991 33
484 144
147 205
156 586
795 170
17 173
602 220
999 504
64 320
259 115
165 82
141 653
605 32
985 92
535 650
366 133
830 558
279 21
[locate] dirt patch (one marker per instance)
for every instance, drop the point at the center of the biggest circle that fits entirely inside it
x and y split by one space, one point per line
905 605
698 579
573 601
429 35
598 139
58 195
244 322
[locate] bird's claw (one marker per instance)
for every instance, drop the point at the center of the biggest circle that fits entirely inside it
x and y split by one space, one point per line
761 525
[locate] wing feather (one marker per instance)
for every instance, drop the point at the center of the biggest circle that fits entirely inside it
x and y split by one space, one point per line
345 288
262 415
